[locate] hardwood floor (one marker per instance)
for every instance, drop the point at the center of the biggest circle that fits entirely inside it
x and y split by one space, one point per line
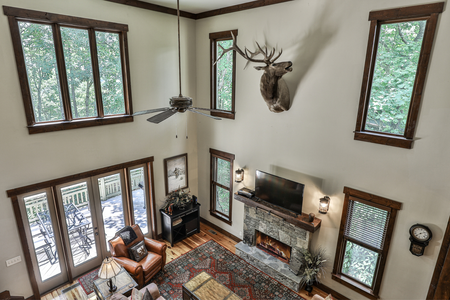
179 249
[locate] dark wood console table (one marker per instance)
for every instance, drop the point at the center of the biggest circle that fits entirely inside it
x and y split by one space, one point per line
190 223
299 221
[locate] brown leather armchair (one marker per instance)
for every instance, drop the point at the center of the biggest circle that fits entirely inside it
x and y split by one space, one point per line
145 269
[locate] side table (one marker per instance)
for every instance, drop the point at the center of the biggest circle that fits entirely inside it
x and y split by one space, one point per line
124 282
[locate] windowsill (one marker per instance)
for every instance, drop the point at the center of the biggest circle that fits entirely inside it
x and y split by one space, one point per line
220 217
384 139
356 286
65 125
225 115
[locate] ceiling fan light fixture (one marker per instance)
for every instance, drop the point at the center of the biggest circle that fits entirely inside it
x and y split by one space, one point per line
180 103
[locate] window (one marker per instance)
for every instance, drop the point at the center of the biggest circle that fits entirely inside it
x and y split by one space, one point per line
221 185
73 72
366 228
398 52
223 74
65 223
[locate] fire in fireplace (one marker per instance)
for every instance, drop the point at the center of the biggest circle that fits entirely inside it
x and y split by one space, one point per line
273 247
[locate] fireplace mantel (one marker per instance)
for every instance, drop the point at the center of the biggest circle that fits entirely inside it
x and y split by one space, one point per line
300 221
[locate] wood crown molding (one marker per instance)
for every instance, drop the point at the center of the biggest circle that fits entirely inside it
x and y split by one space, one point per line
62 180
203 15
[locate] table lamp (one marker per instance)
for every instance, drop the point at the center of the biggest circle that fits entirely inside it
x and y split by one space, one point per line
108 270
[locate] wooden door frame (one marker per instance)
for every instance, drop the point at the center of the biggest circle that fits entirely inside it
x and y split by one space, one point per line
445 250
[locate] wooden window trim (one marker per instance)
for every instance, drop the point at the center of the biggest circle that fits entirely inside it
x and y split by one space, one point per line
56 21
214 38
429 12
379 202
50 185
212 211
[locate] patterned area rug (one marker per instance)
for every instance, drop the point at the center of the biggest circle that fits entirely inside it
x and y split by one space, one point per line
87 281
227 268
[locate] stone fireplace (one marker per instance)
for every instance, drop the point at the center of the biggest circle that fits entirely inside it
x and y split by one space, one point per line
273 247
276 229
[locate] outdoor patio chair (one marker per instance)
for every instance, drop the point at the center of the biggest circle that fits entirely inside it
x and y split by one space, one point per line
47 242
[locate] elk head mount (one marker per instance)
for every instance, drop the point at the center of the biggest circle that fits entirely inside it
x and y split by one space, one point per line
273 87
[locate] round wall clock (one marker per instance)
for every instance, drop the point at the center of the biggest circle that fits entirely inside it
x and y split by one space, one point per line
420 237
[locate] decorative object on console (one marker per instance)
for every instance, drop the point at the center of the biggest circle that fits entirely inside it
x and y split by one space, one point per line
179 199
178 104
420 237
324 204
311 217
108 270
239 177
273 88
313 265
176 173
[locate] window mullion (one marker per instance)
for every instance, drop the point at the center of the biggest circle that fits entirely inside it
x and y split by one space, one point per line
96 73
125 71
62 72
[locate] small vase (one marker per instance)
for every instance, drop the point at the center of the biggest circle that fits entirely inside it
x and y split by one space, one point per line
308 287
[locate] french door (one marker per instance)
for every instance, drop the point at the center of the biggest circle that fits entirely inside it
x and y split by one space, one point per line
42 233
67 225
113 213
80 225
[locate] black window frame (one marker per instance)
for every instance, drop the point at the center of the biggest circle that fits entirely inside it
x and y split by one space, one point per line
214 155
214 38
428 12
389 205
16 15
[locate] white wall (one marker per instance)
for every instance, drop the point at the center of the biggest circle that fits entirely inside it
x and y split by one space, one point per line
26 159
313 142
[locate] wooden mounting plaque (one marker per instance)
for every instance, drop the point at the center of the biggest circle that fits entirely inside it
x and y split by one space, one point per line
299 221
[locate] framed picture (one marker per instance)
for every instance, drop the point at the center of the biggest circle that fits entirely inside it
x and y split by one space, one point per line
176 173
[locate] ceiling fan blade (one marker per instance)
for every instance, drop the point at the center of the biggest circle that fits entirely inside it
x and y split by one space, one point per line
143 112
213 110
162 116
200 113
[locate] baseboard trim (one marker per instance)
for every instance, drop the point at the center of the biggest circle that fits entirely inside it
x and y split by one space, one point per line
328 290
222 231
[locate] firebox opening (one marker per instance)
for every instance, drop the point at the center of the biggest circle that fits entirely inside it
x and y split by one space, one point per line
273 247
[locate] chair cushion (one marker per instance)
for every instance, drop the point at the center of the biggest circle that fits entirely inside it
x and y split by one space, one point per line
150 262
127 234
138 251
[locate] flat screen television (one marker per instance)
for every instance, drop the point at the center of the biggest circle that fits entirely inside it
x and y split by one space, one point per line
279 191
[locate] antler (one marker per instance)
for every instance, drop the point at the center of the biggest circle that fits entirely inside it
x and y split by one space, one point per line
248 55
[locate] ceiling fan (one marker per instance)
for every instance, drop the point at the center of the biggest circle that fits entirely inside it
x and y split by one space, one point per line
180 103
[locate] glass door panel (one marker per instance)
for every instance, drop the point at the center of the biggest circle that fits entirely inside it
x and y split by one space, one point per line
111 201
41 232
78 215
139 198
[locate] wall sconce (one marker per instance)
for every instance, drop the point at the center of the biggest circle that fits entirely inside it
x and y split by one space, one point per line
239 175
324 204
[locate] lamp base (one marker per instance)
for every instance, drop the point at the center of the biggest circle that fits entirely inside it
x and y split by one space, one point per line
112 287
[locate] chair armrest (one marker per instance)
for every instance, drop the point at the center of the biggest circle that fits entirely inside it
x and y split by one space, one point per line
153 289
130 265
317 297
155 246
